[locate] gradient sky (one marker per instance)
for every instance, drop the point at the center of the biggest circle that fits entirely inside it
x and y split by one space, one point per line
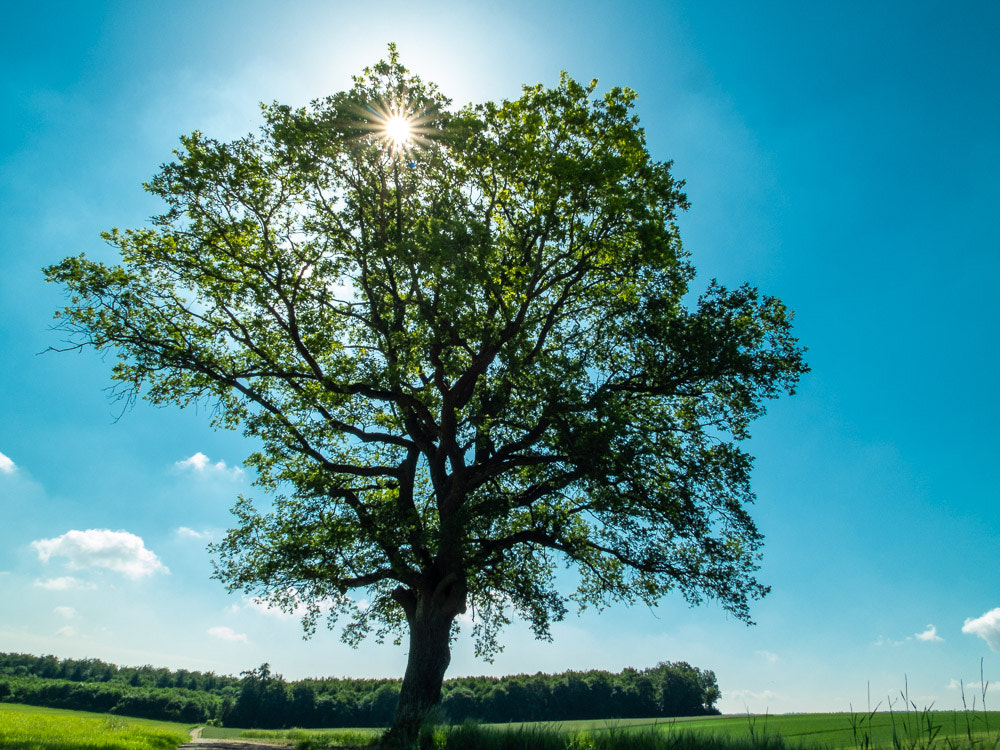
842 156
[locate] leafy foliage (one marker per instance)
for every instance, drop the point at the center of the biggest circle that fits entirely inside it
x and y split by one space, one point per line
465 364
468 361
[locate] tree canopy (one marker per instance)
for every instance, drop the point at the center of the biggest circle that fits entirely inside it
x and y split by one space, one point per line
468 351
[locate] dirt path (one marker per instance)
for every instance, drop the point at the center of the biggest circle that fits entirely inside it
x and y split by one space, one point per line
206 744
201 743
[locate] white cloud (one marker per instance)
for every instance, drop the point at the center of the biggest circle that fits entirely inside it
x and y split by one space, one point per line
986 626
6 465
976 687
64 583
102 548
187 533
768 655
227 634
199 463
930 634
68 612
266 607
67 631
883 641
260 605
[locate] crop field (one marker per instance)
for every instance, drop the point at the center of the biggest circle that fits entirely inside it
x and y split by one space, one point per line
34 728
833 730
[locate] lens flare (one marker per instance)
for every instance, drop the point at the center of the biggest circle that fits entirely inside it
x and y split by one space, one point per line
397 131
398 127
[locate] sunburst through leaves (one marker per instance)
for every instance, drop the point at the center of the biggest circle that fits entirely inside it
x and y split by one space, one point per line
398 127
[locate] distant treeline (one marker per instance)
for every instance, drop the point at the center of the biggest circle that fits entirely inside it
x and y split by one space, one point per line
262 699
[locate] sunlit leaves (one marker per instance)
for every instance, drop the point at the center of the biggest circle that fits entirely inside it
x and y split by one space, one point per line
467 359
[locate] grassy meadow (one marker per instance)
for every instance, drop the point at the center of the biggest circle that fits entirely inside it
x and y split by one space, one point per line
913 730
34 728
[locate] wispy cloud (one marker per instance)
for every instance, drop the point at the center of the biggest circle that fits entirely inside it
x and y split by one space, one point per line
64 583
119 551
930 634
883 641
986 626
954 684
68 612
67 631
199 463
188 533
6 465
296 609
768 655
264 607
272 609
227 634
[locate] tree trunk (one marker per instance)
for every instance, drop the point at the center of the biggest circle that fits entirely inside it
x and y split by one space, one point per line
429 618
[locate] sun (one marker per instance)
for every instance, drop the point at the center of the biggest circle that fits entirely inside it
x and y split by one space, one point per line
397 126
397 131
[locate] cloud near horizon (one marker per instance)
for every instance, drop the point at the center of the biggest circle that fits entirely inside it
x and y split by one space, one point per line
119 551
7 466
986 626
227 634
955 684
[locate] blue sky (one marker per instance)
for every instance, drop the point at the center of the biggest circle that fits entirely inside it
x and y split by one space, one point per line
844 157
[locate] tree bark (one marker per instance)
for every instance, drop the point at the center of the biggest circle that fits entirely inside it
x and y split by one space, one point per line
429 617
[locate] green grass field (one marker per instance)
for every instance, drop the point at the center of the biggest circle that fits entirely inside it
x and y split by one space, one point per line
34 728
299 737
899 731
834 730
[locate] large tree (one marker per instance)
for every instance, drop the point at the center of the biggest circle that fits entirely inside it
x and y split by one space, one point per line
465 342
